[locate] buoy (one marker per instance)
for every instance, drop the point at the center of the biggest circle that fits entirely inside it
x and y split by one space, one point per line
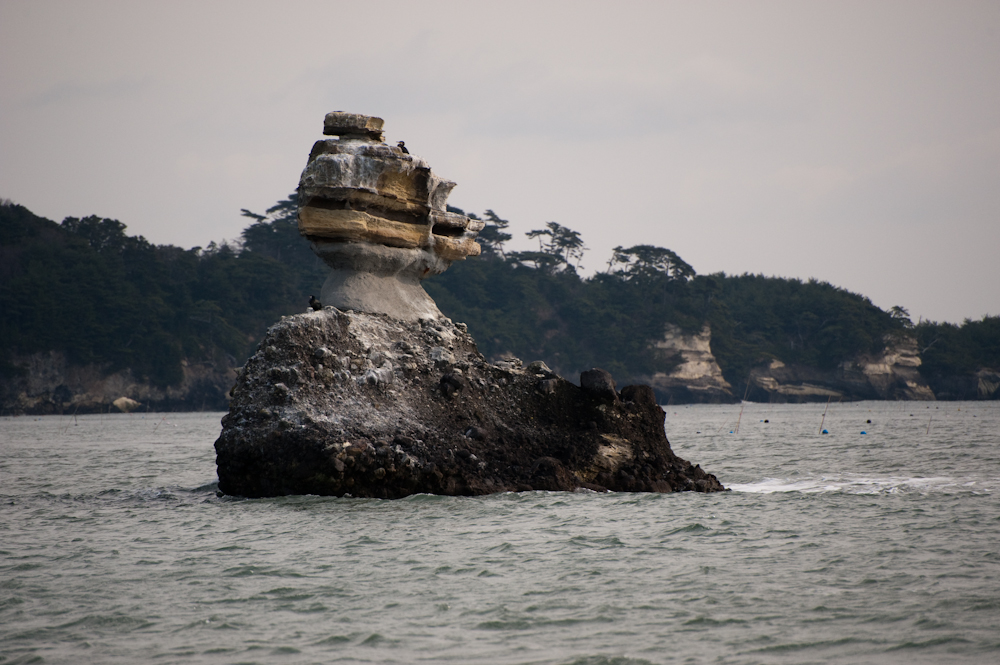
864 432
825 432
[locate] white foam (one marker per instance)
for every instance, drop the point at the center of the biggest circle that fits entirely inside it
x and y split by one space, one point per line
857 484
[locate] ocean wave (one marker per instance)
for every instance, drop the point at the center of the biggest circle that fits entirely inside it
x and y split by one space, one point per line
858 484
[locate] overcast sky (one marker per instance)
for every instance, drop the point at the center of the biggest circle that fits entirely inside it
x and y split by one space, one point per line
854 142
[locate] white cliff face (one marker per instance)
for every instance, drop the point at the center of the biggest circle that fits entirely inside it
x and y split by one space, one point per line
697 361
897 354
697 376
987 383
894 371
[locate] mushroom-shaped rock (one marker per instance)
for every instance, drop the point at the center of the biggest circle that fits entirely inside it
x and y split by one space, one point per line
377 216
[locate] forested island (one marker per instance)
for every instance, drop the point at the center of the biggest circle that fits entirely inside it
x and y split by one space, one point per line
92 315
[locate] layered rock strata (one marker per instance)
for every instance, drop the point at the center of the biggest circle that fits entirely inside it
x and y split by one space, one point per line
892 374
378 217
696 378
351 403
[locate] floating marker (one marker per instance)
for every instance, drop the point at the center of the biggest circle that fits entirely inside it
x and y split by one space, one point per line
825 432
864 432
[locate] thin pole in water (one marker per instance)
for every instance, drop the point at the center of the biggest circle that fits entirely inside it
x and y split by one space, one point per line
929 425
160 423
824 414
742 404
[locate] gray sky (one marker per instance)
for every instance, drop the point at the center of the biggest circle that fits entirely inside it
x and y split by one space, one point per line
854 142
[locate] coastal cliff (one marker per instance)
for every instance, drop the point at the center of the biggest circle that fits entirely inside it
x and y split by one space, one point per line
892 374
695 377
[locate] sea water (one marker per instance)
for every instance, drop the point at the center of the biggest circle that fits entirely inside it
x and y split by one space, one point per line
878 542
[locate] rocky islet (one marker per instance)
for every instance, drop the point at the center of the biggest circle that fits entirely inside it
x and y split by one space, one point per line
380 395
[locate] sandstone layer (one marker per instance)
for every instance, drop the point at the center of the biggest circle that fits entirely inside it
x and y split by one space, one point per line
362 404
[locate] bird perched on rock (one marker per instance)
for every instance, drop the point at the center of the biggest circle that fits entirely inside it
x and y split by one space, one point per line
315 304
402 146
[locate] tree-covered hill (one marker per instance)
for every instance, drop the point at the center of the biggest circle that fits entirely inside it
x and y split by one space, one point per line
955 357
86 288
535 305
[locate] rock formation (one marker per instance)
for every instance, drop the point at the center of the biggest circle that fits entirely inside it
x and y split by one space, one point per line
891 374
696 378
377 216
337 403
380 395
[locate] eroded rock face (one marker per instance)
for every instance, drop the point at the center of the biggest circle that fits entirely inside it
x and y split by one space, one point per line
891 374
378 217
697 377
337 403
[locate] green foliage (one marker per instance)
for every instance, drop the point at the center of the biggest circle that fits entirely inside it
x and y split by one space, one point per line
559 249
948 350
493 237
647 262
755 318
87 288
275 235
531 306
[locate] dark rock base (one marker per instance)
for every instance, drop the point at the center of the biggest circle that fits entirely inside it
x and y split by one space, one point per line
346 403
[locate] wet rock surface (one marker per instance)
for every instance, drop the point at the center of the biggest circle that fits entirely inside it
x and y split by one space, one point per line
351 403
